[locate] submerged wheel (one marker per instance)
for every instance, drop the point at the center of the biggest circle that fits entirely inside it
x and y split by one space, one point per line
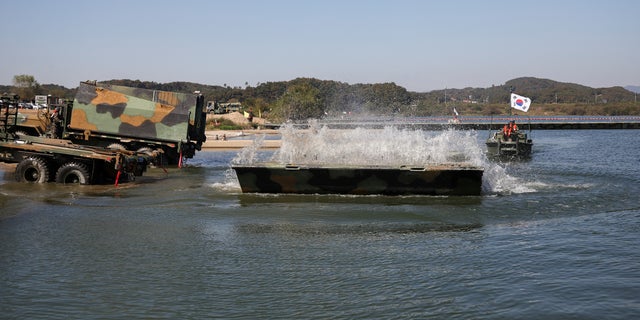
73 172
32 170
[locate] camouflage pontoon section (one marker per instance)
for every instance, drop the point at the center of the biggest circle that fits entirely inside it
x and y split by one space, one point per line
446 179
134 112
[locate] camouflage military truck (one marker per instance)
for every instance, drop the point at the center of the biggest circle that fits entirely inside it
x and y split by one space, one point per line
41 159
134 119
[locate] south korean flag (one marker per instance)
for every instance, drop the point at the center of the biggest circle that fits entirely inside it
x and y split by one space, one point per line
520 103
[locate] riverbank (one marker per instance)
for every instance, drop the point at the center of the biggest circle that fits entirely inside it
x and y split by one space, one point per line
238 139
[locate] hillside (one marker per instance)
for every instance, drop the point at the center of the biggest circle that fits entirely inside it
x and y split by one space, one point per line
314 98
541 91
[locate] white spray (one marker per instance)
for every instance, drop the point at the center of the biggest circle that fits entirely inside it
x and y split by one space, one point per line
389 146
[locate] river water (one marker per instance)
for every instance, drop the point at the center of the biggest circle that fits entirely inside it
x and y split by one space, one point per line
555 236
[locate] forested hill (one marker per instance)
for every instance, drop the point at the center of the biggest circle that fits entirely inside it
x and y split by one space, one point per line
316 97
539 90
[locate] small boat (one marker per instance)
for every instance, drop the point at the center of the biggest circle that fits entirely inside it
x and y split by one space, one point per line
443 179
510 141
509 144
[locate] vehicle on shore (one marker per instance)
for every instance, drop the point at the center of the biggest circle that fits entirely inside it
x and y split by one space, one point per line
223 108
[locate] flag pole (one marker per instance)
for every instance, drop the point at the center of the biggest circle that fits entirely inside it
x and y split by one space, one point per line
511 89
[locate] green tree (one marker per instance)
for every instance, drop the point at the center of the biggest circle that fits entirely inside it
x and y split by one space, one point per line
259 106
299 102
26 86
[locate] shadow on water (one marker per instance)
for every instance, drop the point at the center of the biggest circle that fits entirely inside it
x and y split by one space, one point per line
28 197
509 159
252 199
370 228
289 214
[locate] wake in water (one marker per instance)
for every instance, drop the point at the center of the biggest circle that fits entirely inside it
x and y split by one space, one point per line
389 146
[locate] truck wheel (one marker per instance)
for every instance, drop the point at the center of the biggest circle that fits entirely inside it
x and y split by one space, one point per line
19 132
73 172
33 170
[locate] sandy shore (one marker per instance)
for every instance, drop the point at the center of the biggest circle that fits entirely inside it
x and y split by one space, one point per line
238 144
228 139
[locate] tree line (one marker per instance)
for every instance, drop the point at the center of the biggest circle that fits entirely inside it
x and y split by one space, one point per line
305 98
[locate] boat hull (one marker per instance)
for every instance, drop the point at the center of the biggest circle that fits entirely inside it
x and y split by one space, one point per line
449 179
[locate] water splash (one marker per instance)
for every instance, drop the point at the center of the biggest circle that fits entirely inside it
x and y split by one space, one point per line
249 154
388 146
229 184
496 180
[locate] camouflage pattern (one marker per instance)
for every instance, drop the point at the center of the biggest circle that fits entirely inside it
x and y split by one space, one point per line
137 113
132 118
445 179
42 159
519 145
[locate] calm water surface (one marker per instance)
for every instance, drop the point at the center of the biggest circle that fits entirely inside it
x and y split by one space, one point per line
553 237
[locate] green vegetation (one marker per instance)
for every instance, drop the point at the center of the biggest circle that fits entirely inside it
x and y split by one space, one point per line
26 87
305 98
223 124
228 124
299 102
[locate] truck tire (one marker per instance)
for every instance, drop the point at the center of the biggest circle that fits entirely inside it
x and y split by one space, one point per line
32 170
73 172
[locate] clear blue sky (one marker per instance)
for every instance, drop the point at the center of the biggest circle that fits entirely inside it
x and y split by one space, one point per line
418 44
